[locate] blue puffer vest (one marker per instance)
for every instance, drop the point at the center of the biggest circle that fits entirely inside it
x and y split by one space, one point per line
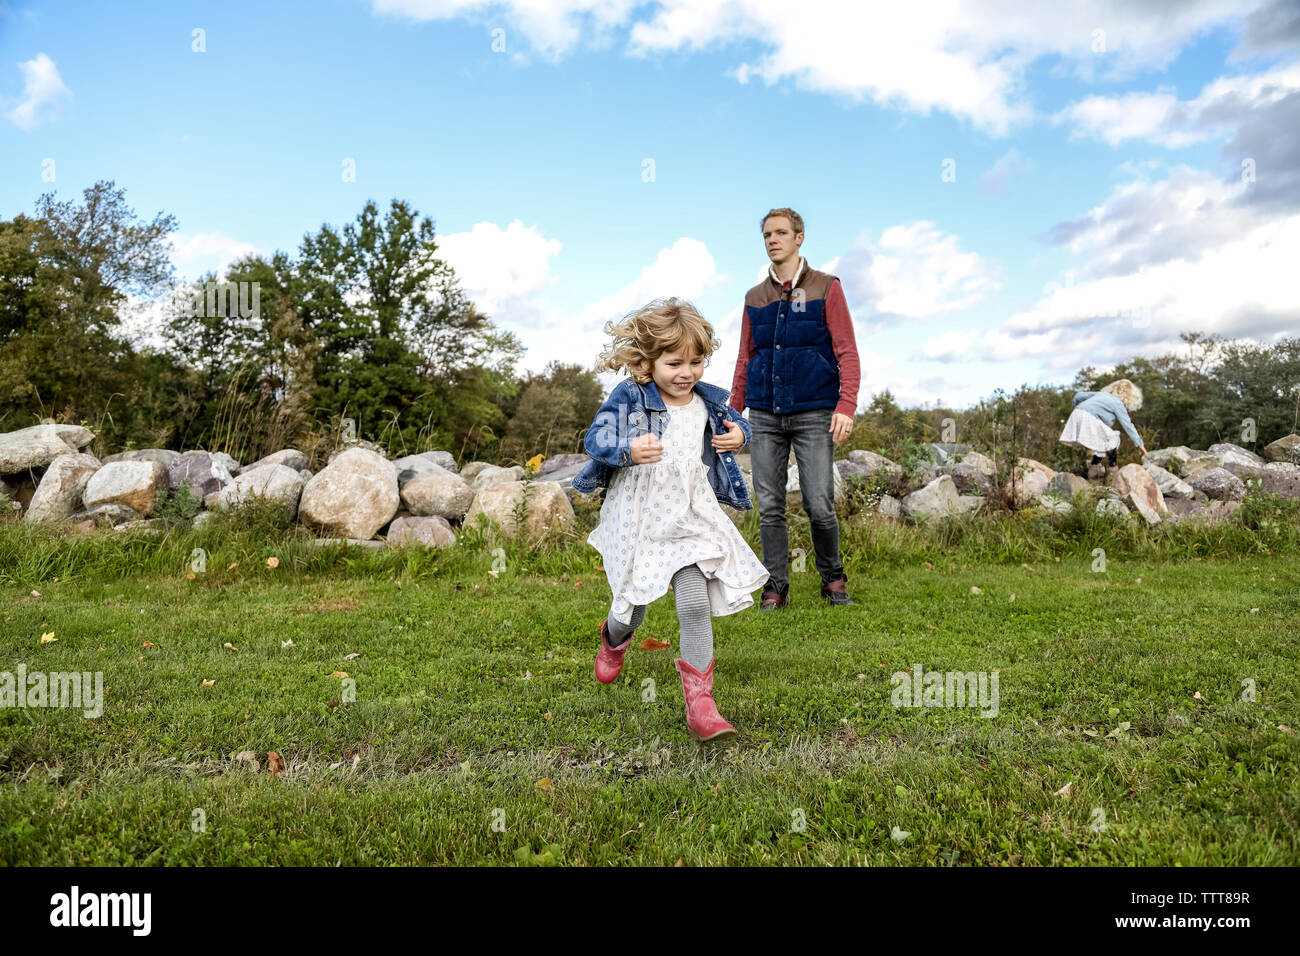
633 410
793 366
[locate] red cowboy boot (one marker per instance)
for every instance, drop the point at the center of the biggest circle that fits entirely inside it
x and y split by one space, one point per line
609 660
702 717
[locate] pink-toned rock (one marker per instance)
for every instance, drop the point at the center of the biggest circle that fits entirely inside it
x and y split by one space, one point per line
1135 480
353 496
431 530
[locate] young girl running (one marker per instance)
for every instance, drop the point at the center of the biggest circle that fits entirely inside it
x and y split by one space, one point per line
664 443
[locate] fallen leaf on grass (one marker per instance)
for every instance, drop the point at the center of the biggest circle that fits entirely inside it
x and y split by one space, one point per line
897 835
600 567
716 788
929 565
272 563
273 763
38 593
230 647
975 590
653 644
233 565
1197 696
528 675
577 584
1065 791
191 576
544 784
339 674
547 715
209 683
48 637
288 643
147 644
249 756
1285 729
351 657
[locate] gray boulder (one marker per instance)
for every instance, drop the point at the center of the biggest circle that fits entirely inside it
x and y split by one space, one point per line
873 463
1066 485
471 469
1170 485
1280 478
289 457
105 516
1235 454
437 492
163 456
137 483
37 446
425 463
1218 484
276 483
1282 449
58 496
938 499
569 464
492 475
201 471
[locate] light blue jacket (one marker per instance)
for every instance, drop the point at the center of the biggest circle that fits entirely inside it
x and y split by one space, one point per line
1109 409
633 410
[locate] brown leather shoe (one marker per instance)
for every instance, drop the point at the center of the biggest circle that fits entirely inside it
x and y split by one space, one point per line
836 592
773 600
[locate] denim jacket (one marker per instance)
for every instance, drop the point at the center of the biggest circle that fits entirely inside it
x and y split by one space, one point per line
632 410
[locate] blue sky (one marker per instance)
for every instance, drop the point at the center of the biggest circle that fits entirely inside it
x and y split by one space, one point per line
1099 206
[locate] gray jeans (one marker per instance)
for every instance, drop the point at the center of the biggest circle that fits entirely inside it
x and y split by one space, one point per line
808 433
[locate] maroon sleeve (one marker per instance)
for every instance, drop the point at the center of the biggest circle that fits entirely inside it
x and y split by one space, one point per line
840 325
738 383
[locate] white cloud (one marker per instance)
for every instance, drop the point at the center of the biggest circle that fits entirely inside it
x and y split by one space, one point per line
950 346
1163 119
1184 254
686 270
964 57
915 270
503 271
204 252
552 27
43 89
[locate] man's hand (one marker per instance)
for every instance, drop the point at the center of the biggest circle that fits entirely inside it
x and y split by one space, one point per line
645 449
841 426
1142 450
734 438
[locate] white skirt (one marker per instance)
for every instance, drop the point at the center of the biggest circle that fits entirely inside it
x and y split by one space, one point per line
1087 431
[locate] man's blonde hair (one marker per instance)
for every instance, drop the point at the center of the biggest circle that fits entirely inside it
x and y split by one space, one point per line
796 220
664 325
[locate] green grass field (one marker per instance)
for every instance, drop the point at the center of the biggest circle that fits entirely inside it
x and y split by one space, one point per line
479 736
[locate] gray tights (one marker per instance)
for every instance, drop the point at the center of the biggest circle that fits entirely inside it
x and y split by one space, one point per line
694 616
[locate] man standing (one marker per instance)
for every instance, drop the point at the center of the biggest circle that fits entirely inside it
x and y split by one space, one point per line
798 372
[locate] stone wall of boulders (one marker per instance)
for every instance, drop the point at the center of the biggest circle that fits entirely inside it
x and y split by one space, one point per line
361 496
1172 484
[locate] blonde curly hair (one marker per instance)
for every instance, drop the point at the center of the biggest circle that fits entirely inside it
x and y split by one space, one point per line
664 325
1128 393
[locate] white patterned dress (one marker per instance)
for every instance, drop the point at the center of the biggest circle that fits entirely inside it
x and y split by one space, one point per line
661 516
